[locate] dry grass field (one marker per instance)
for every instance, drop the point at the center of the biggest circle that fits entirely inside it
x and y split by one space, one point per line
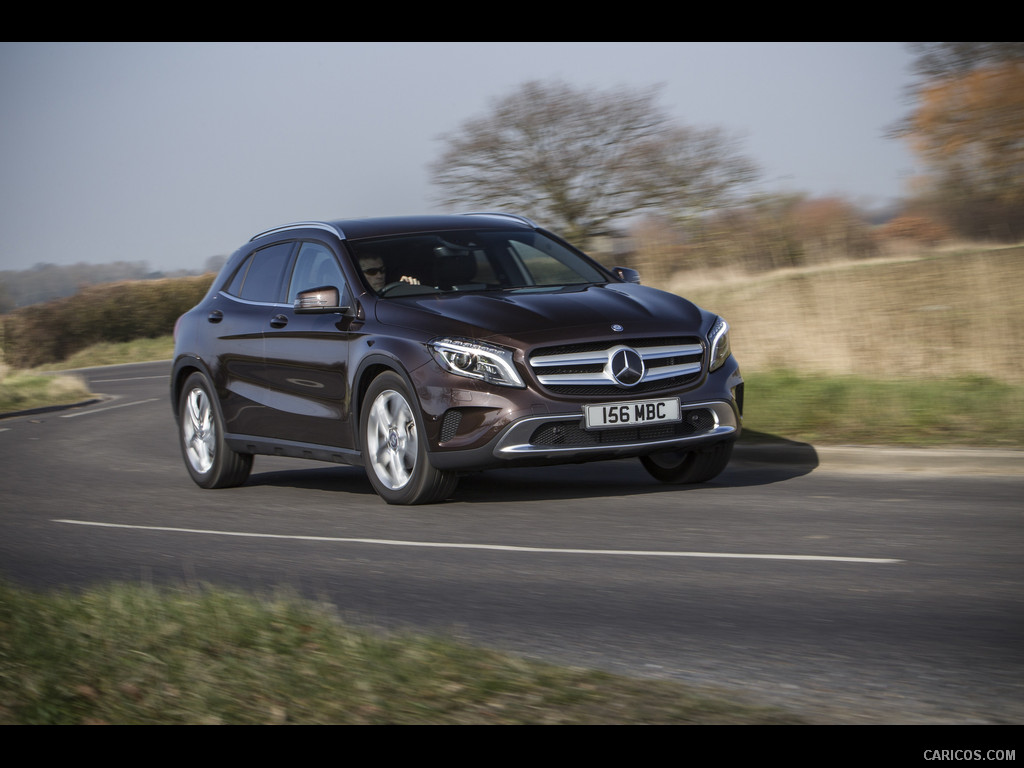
945 314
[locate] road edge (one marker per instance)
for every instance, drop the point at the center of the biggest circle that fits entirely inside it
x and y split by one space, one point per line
886 459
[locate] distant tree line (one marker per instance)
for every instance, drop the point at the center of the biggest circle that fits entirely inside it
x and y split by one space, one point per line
44 282
773 232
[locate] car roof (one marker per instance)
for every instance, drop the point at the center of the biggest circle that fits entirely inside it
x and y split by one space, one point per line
350 229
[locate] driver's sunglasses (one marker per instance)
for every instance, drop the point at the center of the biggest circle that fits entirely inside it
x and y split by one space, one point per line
373 271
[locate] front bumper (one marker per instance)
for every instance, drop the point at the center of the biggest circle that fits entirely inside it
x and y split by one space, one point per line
562 439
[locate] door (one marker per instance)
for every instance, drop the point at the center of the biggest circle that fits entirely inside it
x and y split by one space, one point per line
306 358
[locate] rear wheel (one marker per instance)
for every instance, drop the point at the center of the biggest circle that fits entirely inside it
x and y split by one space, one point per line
208 458
394 446
697 466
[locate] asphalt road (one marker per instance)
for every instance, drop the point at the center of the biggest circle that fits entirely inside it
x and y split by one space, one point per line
854 597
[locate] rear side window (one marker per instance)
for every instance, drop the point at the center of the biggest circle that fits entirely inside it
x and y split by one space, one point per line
261 276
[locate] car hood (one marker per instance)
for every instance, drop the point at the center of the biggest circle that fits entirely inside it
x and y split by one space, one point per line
530 316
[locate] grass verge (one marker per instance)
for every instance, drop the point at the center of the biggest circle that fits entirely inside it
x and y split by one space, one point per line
964 411
25 390
140 655
108 353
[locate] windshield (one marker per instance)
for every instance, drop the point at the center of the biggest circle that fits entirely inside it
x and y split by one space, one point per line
441 262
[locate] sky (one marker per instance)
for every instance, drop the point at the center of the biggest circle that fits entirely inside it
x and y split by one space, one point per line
172 153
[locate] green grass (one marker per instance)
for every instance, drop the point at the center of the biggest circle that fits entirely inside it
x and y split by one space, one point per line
962 411
136 351
25 390
139 655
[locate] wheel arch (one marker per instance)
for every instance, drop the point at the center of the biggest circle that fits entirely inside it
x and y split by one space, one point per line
184 367
369 369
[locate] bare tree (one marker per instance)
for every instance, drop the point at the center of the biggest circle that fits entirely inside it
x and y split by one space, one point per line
581 159
967 127
939 60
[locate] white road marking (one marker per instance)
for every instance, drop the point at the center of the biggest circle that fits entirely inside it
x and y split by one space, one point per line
108 408
490 547
133 378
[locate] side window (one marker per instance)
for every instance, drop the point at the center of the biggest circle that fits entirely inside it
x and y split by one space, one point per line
260 277
235 286
541 267
315 267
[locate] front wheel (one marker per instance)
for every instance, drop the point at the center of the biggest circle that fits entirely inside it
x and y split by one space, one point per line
697 466
208 458
394 447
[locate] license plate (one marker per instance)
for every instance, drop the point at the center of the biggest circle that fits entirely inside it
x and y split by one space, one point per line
631 414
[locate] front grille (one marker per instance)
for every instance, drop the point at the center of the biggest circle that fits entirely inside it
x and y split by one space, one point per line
585 369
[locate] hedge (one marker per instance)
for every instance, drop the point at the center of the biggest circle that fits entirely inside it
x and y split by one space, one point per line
50 332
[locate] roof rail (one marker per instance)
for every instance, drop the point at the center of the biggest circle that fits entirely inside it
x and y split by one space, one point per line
514 216
301 225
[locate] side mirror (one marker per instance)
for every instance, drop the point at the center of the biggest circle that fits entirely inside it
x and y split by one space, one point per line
323 300
626 275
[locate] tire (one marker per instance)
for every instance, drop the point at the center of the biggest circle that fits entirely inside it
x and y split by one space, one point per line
689 466
208 458
394 446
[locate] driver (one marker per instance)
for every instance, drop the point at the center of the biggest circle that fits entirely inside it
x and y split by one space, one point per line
373 268
376 274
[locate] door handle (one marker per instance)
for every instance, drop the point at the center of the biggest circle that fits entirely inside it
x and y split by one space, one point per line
216 316
278 321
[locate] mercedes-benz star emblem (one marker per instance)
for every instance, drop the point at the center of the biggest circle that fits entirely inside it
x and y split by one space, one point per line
626 366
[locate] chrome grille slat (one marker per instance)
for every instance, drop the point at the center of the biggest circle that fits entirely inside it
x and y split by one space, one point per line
591 379
654 353
668 371
570 358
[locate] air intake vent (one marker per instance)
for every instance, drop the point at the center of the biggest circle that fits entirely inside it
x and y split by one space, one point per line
450 424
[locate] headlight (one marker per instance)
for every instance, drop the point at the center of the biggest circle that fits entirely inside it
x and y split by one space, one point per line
718 338
486 362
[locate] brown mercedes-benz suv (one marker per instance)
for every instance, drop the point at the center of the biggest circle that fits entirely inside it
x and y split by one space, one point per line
423 346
